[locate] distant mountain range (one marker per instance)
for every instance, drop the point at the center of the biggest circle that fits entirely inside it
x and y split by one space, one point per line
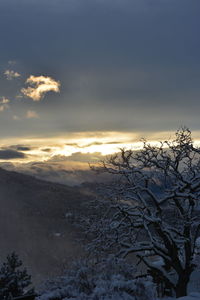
34 222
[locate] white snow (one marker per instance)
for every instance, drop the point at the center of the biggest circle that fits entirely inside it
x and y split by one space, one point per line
192 296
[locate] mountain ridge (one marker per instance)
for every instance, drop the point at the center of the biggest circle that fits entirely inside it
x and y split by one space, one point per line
33 222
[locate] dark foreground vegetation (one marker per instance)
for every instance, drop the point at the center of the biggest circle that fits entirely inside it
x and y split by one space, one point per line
14 280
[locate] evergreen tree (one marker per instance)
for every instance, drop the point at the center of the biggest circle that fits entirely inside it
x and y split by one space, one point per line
14 281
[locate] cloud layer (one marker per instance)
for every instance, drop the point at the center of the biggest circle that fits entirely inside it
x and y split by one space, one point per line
39 86
11 154
31 114
10 74
72 170
124 65
4 103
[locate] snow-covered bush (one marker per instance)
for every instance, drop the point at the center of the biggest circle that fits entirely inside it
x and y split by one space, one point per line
108 279
14 281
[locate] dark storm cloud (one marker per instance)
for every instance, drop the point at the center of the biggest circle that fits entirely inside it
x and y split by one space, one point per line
20 148
23 148
123 65
73 145
93 144
46 150
11 154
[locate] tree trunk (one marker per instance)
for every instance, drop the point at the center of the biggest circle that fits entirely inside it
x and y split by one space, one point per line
181 287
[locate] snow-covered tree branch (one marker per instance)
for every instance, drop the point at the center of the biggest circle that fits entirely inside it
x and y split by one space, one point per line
154 203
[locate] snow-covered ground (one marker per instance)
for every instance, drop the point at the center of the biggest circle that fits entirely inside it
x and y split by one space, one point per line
192 296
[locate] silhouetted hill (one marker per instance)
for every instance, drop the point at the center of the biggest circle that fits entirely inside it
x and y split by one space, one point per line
33 222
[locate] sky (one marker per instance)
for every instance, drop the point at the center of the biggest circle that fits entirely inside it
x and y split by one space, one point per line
90 76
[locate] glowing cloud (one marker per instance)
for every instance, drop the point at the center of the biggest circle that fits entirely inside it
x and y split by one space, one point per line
15 117
10 74
40 85
4 100
4 103
12 62
31 114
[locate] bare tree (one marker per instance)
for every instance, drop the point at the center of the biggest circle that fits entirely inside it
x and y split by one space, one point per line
155 200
